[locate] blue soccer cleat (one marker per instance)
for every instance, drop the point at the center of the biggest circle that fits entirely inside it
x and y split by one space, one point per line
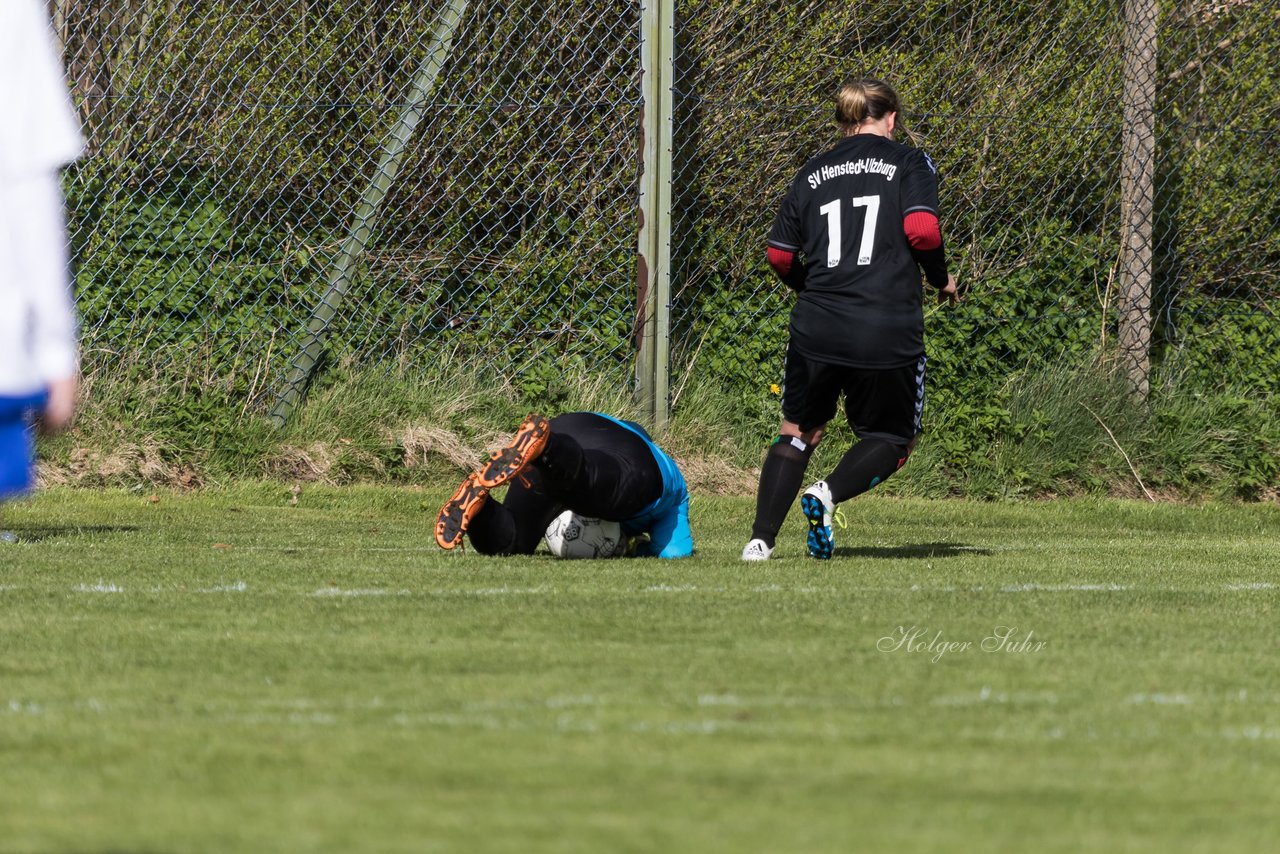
817 506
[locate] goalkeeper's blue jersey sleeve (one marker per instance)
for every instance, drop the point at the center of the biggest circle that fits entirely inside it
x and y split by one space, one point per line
666 520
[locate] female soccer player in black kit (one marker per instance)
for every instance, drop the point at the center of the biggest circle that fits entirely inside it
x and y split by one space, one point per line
863 219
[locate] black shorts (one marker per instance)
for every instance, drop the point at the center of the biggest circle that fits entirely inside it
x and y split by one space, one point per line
879 403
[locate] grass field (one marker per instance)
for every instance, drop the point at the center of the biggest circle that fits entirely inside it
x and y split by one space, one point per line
229 671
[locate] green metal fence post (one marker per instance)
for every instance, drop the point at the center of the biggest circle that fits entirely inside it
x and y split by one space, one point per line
365 218
653 263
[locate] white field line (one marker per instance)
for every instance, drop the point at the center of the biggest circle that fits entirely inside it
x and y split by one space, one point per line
1252 733
986 696
112 587
581 714
269 719
568 723
1160 699
735 726
100 587
1054 588
332 592
572 702
337 592
676 589
25 707
234 587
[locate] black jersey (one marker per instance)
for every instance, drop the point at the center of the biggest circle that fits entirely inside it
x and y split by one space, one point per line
861 304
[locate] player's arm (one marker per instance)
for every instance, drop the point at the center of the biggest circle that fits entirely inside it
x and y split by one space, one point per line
670 536
41 254
924 234
921 226
784 243
786 265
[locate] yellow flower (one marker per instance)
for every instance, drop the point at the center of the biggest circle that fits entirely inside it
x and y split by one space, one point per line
773 387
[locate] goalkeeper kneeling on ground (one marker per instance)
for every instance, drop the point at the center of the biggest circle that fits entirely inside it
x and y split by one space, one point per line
593 464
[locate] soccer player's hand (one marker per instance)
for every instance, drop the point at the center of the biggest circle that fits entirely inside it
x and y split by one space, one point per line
61 406
950 294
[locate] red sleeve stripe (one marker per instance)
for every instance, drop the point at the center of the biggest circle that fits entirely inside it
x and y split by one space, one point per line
781 260
922 229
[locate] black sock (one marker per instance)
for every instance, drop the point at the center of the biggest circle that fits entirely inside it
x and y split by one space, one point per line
863 466
781 476
492 530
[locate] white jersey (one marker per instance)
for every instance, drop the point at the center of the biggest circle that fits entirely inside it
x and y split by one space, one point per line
39 134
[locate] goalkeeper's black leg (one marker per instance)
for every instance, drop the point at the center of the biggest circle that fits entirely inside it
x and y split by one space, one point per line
515 525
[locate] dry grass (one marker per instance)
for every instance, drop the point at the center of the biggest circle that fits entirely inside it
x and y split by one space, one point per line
717 476
141 462
310 465
423 444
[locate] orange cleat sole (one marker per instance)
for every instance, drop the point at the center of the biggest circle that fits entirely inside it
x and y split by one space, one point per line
528 443
459 510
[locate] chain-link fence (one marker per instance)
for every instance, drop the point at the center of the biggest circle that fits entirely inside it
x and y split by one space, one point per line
1077 173
237 183
238 207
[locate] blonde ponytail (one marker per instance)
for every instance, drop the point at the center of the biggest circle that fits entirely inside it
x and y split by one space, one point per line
868 99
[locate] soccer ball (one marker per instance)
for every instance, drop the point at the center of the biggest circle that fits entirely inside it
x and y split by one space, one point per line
571 536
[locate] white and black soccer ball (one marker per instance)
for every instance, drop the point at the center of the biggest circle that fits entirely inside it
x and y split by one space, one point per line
571 536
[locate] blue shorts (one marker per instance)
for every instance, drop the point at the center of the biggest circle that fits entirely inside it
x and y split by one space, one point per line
17 448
